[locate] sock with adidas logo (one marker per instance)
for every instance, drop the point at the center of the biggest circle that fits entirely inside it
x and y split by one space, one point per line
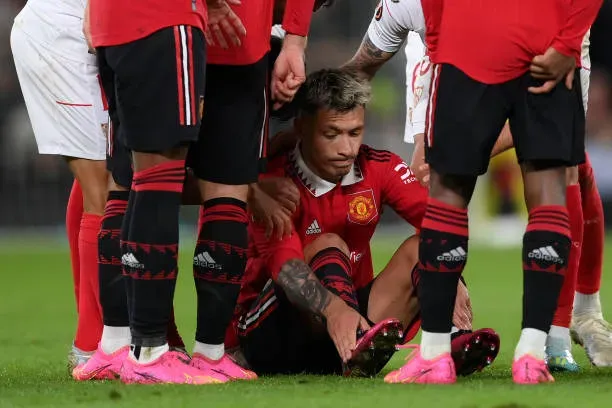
546 247
218 267
149 256
443 251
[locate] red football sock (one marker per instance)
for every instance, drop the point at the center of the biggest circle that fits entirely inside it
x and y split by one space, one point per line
74 213
591 262
174 338
565 304
89 328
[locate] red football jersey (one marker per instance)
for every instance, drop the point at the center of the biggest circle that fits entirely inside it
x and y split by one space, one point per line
256 15
350 209
115 22
495 41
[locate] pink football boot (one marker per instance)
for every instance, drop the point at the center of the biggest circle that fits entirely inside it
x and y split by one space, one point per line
417 370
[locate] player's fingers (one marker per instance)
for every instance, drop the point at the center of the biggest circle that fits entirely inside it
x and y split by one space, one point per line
269 227
208 37
230 31
218 34
287 204
237 23
569 80
545 88
236 2
363 324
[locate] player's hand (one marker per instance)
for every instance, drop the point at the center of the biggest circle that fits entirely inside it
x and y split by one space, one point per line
289 70
417 164
266 210
87 30
342 325
552 68
223 23
283 190
462 316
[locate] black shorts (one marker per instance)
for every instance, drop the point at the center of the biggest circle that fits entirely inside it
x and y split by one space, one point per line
277 338
232 145
465 118
157 88
118 160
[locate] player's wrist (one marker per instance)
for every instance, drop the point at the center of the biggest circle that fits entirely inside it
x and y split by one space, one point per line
295 41
334 306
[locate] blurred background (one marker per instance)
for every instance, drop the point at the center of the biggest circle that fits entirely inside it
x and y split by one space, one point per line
34 188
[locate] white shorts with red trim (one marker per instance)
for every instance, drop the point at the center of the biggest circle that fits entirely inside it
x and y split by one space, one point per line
63 98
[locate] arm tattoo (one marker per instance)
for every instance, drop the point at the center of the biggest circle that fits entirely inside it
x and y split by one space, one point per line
302 287
368 58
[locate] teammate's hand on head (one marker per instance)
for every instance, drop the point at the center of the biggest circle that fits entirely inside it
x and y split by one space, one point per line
269 212
462 315
223 24
342 325
552 68
283 190
289 70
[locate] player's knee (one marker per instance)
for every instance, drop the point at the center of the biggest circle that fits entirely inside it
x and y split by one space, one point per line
455 190
572 176
327 240
93 178
210 191
544 183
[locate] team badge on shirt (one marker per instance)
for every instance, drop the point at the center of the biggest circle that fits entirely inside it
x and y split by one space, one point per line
362 207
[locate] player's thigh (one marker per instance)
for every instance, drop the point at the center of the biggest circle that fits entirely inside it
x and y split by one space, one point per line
231 145
548 128
159 85
464 119
63 99
392 292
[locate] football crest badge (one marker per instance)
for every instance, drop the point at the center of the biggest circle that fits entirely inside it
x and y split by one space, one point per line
362 207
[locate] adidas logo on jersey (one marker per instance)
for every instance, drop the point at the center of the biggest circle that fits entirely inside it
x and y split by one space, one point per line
204 260
130 260
313 228
456 255
545 254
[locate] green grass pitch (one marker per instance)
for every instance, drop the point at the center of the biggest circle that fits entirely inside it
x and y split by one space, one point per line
37 320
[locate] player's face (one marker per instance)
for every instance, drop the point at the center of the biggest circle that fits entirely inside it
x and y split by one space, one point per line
331 141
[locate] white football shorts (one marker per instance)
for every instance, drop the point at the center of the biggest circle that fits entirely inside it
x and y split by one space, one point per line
63 97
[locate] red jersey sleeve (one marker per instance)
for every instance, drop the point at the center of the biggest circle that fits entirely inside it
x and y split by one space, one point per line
402 191
298 14
432 11
275 252
581 16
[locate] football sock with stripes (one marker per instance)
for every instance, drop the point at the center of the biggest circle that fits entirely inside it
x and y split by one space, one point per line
218 268
113 295
563 314
333 268
546 247
151 252
442 257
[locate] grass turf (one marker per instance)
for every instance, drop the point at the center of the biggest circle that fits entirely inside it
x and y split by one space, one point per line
37 319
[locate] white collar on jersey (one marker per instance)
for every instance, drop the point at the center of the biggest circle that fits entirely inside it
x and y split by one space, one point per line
315 184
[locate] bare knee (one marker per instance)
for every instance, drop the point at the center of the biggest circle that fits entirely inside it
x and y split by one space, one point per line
210 190
93 179
544 186
325 241
572 176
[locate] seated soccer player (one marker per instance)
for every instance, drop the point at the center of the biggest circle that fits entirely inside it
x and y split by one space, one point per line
310 301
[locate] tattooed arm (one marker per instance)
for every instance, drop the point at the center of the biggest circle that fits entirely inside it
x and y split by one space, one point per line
368 59
302 287
304 290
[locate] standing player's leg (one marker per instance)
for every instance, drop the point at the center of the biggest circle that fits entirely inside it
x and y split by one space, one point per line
67 120
158 113
74 213
464 119
226 161
588 325
558 343
548 132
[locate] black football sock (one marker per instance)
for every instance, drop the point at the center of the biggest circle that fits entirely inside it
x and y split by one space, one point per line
546 246
113 296
218 268
151 252
442 256
333 268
